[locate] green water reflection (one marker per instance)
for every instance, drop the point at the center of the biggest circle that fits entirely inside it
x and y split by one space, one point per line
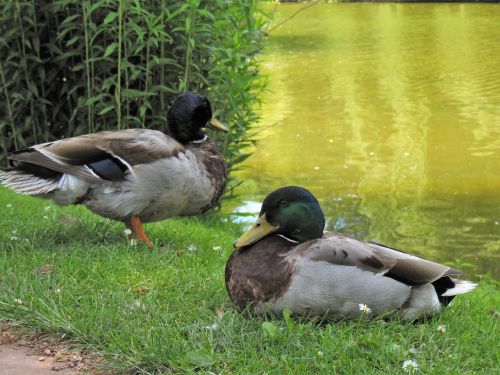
390 115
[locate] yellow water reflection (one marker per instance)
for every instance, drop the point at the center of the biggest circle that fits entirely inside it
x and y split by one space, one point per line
390 114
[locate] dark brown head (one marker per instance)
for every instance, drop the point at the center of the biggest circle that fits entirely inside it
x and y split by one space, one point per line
189 114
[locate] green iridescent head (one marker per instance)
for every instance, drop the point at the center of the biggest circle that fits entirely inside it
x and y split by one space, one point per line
291 211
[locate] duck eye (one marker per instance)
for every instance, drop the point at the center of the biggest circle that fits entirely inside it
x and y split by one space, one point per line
283 204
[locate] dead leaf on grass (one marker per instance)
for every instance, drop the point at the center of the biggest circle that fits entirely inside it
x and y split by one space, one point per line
66 220
219 311
45 269
142 289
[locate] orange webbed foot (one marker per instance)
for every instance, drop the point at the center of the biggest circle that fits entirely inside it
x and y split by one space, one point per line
135 226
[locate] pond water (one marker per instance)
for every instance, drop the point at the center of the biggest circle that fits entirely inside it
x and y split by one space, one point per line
390 115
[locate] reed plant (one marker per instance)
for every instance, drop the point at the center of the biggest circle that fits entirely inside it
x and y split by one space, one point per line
74 67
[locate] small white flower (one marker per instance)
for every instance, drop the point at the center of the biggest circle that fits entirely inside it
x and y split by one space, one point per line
8 205
413 351
45 218
136 305
133 242
394 347
57 291
46 208
320 353
13 238
213 327
191 247
64 79
127 232
18 301
441 328
364 308
410 366
216 248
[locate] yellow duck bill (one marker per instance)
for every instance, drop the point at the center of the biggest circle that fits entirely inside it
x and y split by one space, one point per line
258 230
217 125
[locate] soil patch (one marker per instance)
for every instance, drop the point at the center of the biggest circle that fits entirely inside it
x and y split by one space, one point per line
15 361
27 353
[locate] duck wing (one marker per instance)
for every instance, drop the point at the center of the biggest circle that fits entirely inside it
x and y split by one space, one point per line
100 156
410 269
339 249
345 251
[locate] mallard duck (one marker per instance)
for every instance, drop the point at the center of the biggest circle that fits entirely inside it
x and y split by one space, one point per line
133 175
286 261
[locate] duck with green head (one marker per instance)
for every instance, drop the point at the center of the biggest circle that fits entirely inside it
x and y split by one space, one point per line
285 260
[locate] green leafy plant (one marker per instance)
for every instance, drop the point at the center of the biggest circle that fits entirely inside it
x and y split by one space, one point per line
69 68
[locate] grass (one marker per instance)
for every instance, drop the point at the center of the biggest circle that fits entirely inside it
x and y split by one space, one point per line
154 311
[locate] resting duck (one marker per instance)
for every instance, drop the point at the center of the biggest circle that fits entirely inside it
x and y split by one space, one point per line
133 175
286 261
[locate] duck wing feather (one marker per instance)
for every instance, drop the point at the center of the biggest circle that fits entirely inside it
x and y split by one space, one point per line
101 156
339 249
410 269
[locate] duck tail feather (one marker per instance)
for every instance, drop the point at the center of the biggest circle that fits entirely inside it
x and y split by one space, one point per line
461 287
28 184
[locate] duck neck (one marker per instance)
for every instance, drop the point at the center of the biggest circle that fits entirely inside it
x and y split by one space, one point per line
198 141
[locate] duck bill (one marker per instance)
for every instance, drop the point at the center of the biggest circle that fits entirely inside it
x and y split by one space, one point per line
258 230
216 125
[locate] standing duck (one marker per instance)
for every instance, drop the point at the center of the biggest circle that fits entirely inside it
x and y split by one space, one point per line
286 261
132 175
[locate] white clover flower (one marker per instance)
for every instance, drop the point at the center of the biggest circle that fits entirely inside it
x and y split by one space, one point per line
191 247
57 291
18 301
410 366
413 351
133 242
441 328
320 353
213 327
364 308
13 238
127 232
394 347
45 218
216 248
